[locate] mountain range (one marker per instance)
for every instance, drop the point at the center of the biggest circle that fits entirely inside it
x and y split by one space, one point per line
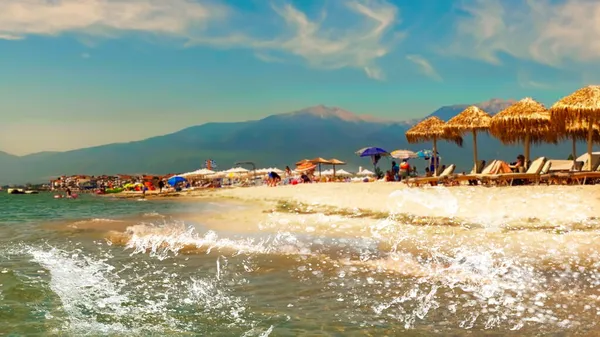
277 140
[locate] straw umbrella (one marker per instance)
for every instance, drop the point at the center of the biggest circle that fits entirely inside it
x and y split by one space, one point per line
334 162
319 161
582 106
579 131
526 121
471 119
432 129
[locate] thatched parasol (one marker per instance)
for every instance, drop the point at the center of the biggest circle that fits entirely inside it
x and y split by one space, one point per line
577 131
334 162
471 119
319 161
432 129
582 106
527 121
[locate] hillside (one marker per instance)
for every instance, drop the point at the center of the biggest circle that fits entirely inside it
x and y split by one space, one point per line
277 140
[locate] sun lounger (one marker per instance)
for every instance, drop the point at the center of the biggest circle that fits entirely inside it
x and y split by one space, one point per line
445 175
459 178
583 177
532 174
557 172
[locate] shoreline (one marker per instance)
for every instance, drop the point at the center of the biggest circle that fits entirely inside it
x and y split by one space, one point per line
457 205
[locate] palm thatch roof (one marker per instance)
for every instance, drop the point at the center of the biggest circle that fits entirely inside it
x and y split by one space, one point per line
582 105
471 119
320 160
579 130
336 162
432 128
526 118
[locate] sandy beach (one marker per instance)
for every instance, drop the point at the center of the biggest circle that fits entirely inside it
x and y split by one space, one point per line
465 202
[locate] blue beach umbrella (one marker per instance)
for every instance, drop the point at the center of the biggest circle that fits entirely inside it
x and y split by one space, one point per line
176 180
426 154
374 152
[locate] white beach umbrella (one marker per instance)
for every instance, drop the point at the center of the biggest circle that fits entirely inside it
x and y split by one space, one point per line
200 172
365 173
327 172
343 173
276 170
237 170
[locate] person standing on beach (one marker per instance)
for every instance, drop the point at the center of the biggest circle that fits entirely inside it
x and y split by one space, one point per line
395 171
161 185
404 169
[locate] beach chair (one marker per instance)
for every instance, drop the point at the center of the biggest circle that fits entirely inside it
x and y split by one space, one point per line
444 176
557 172
473 176
581 178
532 174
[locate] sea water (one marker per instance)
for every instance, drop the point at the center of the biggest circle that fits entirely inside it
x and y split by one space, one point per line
99 266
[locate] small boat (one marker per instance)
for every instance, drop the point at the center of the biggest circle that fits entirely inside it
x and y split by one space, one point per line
15 191
31 192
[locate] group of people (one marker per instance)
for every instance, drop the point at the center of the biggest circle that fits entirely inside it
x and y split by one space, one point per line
400 171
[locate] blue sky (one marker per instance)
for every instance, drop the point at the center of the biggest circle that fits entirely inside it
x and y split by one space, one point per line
77 73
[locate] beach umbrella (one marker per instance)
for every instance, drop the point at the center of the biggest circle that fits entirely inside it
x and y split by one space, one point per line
335 162
526 121
432 129
306 166
403 154
365 173
319 161
472 119
328 172
176 180
582 106
577 131
426 154
371 151
343 173
374 152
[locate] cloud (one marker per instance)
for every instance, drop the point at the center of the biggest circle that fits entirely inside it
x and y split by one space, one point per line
265 57
525 81
19 18
550 32
334 40
424 66
331 43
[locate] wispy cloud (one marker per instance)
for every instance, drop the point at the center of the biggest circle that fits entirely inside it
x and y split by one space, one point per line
19 18
331 41
339 45
544 31
265 57
424 67
525 80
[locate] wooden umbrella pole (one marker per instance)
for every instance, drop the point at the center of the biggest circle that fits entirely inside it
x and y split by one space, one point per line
589 144
435 157
527 149
574 152
475 151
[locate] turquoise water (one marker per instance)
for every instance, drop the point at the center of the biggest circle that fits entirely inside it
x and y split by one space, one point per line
104 267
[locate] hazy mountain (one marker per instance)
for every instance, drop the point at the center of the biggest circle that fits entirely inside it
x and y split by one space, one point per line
493 106
277 140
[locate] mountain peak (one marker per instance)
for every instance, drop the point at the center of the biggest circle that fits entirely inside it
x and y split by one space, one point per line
496 104
325 112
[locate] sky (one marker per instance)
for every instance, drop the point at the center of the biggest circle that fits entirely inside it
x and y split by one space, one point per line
78 73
